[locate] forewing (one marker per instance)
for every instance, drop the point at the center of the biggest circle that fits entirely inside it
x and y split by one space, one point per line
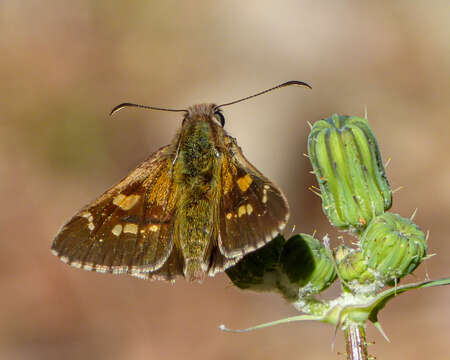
127 229
253 209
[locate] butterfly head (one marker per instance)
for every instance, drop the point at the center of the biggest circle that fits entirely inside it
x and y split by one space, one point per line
205 112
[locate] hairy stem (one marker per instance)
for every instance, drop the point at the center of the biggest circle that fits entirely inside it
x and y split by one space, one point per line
355 340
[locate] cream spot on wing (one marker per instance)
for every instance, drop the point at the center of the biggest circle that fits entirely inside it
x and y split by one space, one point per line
101 268
118 199
134 272
244 182
242 210
87 215
118 270
126 202
154 228
264 198
143 276
130 228
249 209
88 267
117 230
77 264
229 216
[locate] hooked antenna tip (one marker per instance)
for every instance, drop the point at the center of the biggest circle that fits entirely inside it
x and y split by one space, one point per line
119 107
296 82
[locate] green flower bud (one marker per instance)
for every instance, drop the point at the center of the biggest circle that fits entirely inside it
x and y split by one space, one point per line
341 252
392 247
258 270
353 269
306 264
347 163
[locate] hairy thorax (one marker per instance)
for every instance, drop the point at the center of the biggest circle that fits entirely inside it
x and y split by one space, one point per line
198 156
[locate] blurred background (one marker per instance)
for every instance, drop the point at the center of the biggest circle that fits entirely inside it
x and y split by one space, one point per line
65 64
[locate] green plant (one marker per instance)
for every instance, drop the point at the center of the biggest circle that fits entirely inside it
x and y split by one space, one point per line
355 197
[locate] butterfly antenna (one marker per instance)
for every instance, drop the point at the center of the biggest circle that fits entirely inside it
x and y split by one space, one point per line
288 83
124 105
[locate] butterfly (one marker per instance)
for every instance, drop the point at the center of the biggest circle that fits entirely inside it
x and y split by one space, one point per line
193 208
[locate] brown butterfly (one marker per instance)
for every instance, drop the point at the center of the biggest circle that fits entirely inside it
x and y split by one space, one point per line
194 207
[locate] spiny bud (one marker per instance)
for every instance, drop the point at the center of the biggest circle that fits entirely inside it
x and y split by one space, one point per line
347 163
353 269
341 252
392 247
306 263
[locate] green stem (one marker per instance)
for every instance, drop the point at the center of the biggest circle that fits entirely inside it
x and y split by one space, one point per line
355 341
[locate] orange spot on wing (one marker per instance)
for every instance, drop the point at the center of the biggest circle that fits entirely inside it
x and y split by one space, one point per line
244 182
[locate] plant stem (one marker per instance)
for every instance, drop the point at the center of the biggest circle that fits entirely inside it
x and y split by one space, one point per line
355 340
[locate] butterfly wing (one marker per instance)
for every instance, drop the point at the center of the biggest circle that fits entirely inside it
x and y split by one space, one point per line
172 268
128 229
253 209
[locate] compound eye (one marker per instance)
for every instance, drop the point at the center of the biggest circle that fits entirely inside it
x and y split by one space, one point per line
220 118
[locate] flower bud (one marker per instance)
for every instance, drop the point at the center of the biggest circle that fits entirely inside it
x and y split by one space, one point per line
347 163
341 252
306 264
392 247
353 268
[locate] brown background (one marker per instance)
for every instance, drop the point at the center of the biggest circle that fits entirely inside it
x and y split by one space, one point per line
64 64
